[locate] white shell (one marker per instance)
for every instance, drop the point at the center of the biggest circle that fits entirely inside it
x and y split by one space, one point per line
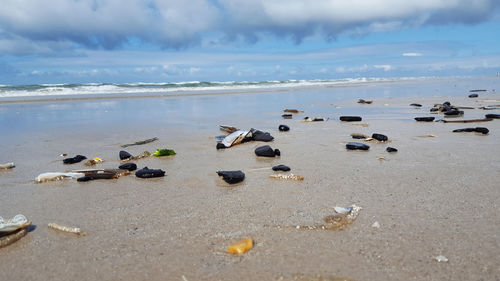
376 224
51 176
441 258
229 139
13 224
342 210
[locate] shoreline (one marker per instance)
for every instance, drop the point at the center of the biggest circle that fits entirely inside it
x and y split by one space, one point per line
430 198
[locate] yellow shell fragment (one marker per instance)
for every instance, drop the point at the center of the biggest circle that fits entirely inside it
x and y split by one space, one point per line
75 230
94 161
241 247
287 177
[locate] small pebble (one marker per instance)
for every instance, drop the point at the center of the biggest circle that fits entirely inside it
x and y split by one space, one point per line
416 105
281 168
284 128
473 95
391 149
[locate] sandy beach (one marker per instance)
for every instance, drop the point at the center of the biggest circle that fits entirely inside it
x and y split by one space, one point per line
436 196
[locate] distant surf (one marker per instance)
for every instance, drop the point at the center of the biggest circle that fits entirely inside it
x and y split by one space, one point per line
68 91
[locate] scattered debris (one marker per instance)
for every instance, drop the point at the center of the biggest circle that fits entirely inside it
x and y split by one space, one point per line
365 101
350 118
391 149
232 177
281 168
441 258
55 176
481 130
93 162
425 119
267 151
163 152
74 230
287 177
73 160
241 247
7 166
283 128
149 173
140 142
356 146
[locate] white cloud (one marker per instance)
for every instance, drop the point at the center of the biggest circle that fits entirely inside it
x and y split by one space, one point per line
412 54
385 67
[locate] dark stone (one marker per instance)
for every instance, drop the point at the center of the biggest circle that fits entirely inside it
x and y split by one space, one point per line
85 178
128 166
416 104
473 95
287 116
266 151
262 136
73 160
453 112
149 173
494 116
281 168
358 136
481 130
124 155
434 109
350 118
425 119
356 146
284 128
231 177
391 149
379 137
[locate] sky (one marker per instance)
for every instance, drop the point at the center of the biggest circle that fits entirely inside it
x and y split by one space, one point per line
130 41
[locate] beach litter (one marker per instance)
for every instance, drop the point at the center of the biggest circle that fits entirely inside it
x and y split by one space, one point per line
73 160
93 162
287 177
481 130
13 229
241 247
7 166
56 176
74 230
356 146
267 151
140 142
163 152
149 173
231 177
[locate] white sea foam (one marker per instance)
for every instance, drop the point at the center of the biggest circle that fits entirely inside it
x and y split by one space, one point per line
141 88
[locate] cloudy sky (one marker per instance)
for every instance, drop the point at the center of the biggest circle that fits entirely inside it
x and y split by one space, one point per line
118 41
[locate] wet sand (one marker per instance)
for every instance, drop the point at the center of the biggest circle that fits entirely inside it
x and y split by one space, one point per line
435 196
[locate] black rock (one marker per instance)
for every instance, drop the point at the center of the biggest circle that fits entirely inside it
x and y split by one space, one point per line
149 173
124 155
446 106
356 146
391 149
287 116
494 116
473 95
425 119
73 160
220 146
85 178
453 112
267 151
379 137
481 130
128 166
434 109
284 128
231 177
350 118
262 136
281 168
416 104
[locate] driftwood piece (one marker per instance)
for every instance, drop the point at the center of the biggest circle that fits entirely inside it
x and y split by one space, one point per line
140 142
467 121
13 237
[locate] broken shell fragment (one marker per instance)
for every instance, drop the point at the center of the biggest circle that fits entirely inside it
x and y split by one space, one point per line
11 225
342 218
55 176
241 247
441 258
7 166
75 230
287 177
93 162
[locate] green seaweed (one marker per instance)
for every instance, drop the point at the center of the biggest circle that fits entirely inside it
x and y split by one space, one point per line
163 152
